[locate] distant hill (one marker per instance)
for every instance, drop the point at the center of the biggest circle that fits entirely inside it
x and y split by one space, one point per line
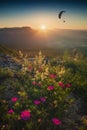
17 37
26 37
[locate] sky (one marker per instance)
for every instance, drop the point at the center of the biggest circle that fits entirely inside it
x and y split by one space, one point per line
36 13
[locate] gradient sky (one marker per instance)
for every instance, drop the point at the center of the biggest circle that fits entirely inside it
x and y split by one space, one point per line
36 13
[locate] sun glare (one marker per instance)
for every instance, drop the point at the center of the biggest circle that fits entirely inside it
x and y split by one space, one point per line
43 27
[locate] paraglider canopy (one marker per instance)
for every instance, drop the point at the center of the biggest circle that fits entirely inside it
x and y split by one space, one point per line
60 14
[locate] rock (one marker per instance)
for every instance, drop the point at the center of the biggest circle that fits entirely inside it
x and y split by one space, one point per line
72 117
8 61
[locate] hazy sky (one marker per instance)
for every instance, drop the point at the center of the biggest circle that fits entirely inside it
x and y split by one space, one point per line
43 12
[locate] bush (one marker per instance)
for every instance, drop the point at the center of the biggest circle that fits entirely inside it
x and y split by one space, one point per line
43 95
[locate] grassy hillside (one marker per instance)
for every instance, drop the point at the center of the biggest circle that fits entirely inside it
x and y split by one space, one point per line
6 50
40 93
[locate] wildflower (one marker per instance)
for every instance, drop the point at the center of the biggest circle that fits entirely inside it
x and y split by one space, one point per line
56 121
50 88
43 99
55 93
14 99
61 84
22 93
10 111
19 117
25 115
68 85
39 120
30 68
34 83
4 101
53 76
37 102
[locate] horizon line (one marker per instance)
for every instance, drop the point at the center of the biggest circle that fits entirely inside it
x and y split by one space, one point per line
9 27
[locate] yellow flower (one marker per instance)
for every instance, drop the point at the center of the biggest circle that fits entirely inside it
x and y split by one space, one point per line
22 93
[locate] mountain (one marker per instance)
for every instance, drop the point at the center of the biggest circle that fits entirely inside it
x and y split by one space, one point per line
26 37
17 37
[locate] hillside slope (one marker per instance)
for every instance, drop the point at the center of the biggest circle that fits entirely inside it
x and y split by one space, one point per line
7 51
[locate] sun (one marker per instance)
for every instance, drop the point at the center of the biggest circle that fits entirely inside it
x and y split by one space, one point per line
43 27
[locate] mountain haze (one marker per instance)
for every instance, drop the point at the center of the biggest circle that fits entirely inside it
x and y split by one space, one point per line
26 37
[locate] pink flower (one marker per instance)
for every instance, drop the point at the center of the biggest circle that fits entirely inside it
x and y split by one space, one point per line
50 88
68 85
43 99
10 111
61 84
14 99
25 115
37 102
30 68
56 121
53 76
34 83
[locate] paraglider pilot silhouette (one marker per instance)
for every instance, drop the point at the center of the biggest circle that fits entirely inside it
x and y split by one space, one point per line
60 15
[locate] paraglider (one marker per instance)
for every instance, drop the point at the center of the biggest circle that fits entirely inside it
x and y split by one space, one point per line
60 15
